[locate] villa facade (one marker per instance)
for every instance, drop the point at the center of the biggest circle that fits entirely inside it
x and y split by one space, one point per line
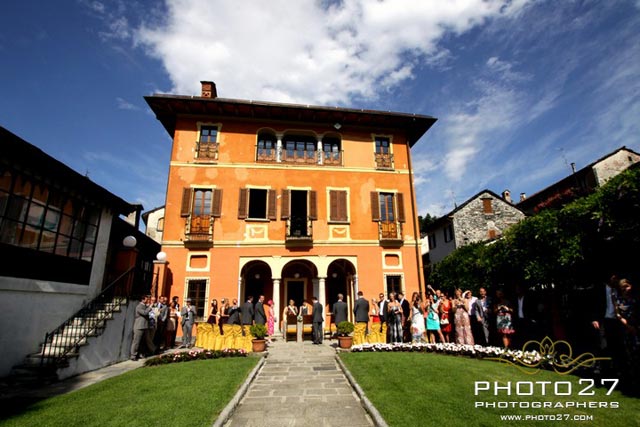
288 201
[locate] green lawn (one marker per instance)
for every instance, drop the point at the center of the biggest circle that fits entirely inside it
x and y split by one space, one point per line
180 394
423 389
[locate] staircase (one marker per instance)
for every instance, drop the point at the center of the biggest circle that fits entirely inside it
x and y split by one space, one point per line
65 342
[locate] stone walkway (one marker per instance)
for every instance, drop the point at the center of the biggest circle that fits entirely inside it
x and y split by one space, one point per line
300 385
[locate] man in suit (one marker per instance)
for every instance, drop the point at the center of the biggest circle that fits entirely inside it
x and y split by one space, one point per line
140 327
260 316
161 321
406 315
339 312
482 312
526 316
247 312
382 310
188 315
316 327
361 309
234 313
609 332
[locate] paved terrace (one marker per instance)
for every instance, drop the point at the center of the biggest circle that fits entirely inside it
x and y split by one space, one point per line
300 385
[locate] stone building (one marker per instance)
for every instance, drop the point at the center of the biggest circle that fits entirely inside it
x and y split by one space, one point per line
580 183
154 223
483 217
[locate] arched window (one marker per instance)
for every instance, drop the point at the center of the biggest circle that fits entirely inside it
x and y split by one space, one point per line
266 148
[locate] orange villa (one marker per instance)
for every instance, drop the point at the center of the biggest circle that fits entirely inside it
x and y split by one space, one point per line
288 201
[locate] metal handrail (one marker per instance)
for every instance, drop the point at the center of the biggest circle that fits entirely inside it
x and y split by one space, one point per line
69 335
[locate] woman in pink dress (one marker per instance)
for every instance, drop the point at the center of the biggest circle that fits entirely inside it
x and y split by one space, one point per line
271 320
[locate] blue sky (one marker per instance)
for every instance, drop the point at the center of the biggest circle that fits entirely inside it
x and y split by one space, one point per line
521 89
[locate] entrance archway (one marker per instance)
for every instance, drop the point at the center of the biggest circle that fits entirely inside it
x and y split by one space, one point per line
340 280
298 282
256 281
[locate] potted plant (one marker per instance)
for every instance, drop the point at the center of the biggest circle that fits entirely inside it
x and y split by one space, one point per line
259 332
345 329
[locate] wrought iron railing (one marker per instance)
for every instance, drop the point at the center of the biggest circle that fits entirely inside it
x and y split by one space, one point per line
384 160
332 158
390 230
207 150
88 321
199 228
299 228
299 156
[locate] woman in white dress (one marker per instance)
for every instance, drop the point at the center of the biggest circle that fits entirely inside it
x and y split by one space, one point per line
417 322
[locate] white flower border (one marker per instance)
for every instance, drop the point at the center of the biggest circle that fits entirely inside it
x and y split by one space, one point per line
525 358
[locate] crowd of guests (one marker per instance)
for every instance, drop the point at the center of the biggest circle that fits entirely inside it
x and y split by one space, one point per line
246 314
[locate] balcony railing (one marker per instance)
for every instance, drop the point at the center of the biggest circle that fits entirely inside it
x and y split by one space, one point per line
332 158
207 150
299 156
299 229
267 155
199 229
384 160
390 232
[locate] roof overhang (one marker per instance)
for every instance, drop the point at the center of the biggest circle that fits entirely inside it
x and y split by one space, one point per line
168 107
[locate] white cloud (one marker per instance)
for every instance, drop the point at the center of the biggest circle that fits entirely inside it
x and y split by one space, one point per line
303 51
126 105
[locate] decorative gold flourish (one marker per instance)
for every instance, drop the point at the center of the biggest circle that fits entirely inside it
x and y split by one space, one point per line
536 355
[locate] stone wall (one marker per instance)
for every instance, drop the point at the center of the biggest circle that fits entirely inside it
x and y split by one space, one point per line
614 164
471 223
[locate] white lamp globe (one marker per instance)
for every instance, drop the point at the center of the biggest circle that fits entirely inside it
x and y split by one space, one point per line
161 256
129 242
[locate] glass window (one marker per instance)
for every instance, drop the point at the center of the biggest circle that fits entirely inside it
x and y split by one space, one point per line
48 241
208 134
386 207
36 214
196 290
382 145
394 283
202 202
62 245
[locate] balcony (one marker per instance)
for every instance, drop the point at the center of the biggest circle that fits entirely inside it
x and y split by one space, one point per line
199 231
207 151
299 231
390 233
332 158
266 155
384 160
299 157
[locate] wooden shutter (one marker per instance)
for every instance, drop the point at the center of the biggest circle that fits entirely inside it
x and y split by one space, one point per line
342 206
333 205
216 209
400 202
284 206
242 203
375 206
271 214
337 205
313 205
187 195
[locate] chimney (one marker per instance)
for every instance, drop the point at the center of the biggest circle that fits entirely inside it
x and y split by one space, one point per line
573 167
523 196
506 195
208 90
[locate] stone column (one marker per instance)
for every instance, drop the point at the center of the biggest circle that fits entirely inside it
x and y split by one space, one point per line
277 310
320 156
279 149
239 291
322 297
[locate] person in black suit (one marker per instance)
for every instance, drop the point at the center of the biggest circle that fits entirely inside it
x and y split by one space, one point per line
339 312
316 328
605 323
260 315
234 313
406 315
361 309
526 321
246 312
